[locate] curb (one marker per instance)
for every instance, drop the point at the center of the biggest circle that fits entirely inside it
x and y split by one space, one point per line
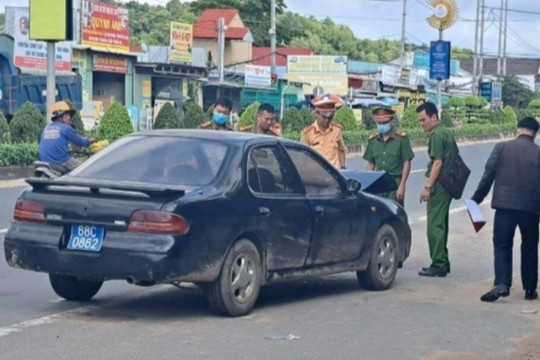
15 172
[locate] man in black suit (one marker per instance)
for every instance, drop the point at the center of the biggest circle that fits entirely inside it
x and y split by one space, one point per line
515 167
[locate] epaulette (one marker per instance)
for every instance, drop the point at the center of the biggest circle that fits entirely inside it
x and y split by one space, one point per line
401 133
373 136
245 128
206 124
308 128
338 125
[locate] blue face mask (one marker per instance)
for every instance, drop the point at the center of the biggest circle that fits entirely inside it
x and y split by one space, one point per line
384 128
220 119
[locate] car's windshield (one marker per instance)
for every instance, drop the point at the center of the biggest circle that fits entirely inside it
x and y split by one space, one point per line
157 160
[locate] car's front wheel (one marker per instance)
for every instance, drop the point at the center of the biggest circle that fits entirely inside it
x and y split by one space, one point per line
236 289
383 263
74 289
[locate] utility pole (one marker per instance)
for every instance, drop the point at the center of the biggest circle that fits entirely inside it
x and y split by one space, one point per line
51 78
505 33
475 58
481 53
273 36
499 51
403 38
439 101
221 49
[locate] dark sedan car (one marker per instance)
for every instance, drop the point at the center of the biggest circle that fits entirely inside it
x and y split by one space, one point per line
228 211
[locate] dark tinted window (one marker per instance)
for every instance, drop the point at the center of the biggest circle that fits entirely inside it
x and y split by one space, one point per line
156 159
317 179
266 174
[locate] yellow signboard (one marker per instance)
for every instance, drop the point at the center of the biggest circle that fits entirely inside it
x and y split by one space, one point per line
181 42
335 84
146 88
48 20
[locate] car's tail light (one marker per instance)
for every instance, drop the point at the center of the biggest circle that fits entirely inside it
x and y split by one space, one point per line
157 222
26 210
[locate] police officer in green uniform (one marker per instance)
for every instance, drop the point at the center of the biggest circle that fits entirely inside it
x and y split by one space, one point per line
390 150
441 148
220 117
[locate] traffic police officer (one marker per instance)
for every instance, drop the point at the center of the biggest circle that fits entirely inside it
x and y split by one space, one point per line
324 135
265 122
390 150
220 117
441 148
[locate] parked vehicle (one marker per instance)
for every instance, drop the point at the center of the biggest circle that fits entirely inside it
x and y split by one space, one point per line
17 88
228 211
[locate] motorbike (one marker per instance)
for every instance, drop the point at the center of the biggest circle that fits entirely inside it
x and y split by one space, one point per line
43 169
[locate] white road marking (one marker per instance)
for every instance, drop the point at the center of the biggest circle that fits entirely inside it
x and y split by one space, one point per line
418 171
49 319
420 219
2 231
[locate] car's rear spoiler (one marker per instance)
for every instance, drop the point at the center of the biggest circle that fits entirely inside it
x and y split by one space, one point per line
97 185
373 182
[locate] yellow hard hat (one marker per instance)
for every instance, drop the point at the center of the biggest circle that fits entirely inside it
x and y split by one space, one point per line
60 108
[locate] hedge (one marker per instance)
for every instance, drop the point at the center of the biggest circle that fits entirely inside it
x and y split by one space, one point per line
20 154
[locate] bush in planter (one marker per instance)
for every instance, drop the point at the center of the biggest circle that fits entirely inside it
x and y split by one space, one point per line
249 115
27 124
498 117
307 116
345 117
194 115
410 119
167 117
5 135
18 154
456 103
115 123
292 120
368 119
523 113
76 120
511 116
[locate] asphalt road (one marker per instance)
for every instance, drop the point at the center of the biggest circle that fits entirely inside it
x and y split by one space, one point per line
327 318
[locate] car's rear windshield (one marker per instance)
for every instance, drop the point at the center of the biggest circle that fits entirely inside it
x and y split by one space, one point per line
157 160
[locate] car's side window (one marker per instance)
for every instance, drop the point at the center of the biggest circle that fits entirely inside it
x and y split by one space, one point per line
265 173
316 178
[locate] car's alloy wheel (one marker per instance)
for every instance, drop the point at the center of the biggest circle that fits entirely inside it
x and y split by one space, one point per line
73 288
235 291
383 263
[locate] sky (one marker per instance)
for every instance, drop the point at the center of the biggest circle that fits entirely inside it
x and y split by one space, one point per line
376 19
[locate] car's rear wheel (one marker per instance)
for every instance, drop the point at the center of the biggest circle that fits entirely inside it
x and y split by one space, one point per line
383 263
237 287
74 289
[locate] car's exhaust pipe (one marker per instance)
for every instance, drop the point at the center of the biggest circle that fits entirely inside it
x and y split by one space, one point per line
131 280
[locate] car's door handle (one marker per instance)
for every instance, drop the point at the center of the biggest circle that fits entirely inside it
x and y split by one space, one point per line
264 211
319 210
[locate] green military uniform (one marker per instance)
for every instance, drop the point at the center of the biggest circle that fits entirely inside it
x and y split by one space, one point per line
389 155
210 125
442 145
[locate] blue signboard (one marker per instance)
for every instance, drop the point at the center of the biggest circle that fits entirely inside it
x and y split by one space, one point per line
496 91
421 61
439 60
485 90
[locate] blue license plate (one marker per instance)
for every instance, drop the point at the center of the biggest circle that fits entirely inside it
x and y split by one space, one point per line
86 238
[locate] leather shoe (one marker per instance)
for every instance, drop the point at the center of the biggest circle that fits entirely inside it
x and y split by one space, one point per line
429 267
432 272
531 295
496 292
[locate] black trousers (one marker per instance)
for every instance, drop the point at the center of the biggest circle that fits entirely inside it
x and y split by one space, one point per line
504 229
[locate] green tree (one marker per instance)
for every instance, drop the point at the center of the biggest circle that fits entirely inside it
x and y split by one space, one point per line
5 135
456 103
511 115
345 117
194 115
515 94
249 115
115 123
167 117
27 124
410 119
292 120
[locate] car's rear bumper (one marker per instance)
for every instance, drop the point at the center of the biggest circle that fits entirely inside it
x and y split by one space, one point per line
127 256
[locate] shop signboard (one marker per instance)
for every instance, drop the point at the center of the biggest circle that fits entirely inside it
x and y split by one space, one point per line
336 84
257 76
105 27
181 42
110 63
327 72
32 54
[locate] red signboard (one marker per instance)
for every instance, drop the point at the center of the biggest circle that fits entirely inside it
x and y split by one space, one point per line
105 26
109 63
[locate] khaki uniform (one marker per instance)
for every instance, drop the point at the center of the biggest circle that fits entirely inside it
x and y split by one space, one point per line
253 129
389 155
210 125
329 143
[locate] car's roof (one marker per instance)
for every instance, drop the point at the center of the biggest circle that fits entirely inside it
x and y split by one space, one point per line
225 136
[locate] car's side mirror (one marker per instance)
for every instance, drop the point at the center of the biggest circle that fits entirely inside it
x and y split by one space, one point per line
353 186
